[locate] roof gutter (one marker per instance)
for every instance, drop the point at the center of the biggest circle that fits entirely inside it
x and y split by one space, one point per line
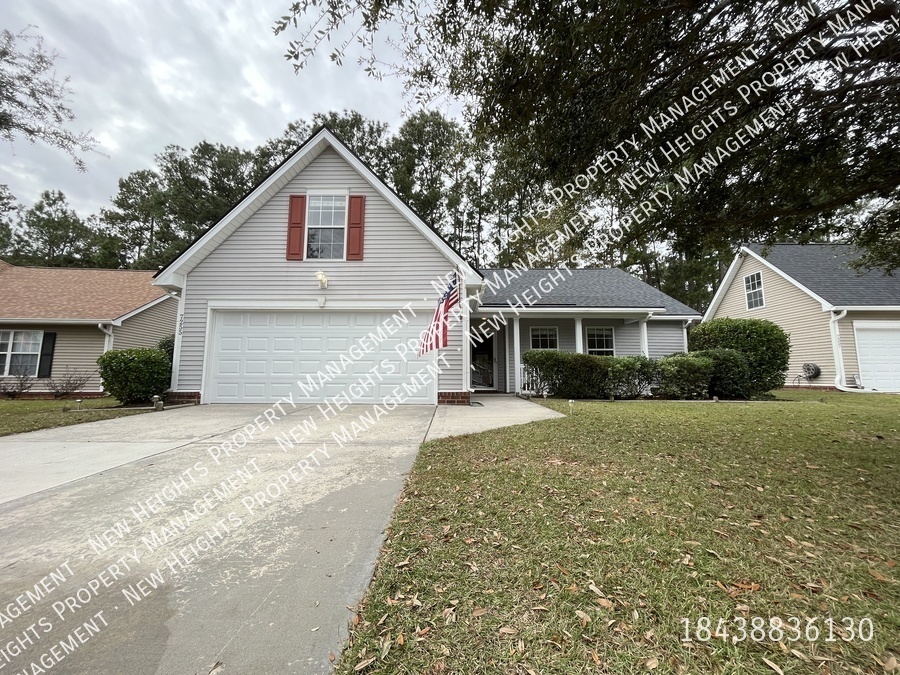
67 322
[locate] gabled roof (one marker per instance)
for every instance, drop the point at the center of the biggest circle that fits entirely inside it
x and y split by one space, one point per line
585 288
71 294
172 275
824 270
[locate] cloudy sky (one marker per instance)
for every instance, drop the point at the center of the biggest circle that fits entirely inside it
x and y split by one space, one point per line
148 74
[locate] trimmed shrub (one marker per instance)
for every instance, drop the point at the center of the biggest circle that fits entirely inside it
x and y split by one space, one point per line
684 377
167 344
730 376
631 376
570 375
135 375
765 345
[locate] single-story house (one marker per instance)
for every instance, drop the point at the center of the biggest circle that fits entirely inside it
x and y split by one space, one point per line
57 321
323 275
844 327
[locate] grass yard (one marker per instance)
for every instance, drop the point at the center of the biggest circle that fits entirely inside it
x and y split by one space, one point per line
21 415
578 545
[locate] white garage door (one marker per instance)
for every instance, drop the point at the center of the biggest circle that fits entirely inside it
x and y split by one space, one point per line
259 356
878 348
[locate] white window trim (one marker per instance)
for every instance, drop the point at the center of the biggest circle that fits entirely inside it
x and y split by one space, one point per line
10 352
531 330
306 229
760 289
587 349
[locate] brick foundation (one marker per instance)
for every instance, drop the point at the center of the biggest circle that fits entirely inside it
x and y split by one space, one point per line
454 398
179 397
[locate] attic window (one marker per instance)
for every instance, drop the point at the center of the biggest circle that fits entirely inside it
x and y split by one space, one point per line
325 227
754 289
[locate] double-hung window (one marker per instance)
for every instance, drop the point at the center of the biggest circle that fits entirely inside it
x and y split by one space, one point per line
326 226
600 341
754 290
20 351
544 338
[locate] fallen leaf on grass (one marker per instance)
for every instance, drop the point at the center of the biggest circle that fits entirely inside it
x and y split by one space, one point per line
596 590
364 664
651 663
402 563
479 611
584 616
773 666
891 665
800 655
506 630
878 576
603 602
400 640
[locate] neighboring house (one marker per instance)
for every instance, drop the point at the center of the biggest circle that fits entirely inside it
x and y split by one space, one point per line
322 274
846 324
56 321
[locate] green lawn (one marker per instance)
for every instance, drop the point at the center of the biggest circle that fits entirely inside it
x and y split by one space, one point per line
577 545
21 415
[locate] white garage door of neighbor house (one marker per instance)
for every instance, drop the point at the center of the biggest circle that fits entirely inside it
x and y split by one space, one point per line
878 349
259 356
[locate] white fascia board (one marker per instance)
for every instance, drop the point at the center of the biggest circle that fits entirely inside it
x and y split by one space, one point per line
877 324
67 322
675 317
867 308
723 287
312 304
826 306
142 308
573 311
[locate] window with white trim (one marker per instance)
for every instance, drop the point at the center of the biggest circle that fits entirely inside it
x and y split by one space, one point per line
20 352
600 341
754 290
326 226
544 337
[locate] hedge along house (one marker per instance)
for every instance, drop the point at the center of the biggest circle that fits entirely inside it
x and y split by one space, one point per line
318 284
843 325
56 321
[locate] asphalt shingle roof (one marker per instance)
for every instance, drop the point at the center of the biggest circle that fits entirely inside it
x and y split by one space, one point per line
70 293
607 287
823 269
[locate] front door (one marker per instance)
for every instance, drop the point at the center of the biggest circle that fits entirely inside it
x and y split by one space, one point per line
483 364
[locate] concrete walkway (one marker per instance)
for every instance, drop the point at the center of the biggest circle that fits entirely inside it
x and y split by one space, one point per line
190 557
491 411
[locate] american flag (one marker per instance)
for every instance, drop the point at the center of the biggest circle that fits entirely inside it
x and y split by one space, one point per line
435 336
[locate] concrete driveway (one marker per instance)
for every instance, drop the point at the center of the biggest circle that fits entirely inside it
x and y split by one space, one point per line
194 541
195 556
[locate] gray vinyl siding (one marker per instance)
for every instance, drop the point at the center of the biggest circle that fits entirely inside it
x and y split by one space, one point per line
399 262
565 332
77 350
795 311
626 337
147 328
664 338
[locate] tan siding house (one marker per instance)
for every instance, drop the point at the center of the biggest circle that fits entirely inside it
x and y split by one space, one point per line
825 307
56 322
321 286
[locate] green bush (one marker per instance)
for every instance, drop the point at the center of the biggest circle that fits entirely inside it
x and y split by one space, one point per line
167 344
684 377
765 345
135 375
730 376
631 376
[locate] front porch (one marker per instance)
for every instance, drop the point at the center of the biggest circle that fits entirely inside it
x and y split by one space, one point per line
497 341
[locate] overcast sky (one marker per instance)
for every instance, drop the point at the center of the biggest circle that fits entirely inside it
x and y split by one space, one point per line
146 74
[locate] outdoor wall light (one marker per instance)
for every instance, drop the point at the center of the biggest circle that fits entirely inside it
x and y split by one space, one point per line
322 279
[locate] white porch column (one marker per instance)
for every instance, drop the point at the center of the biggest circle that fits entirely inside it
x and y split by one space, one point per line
645 343
517 356
579 337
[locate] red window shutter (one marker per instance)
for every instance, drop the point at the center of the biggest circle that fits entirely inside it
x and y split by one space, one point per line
356 219
296 227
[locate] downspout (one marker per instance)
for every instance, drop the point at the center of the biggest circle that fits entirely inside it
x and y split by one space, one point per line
839 374
108 332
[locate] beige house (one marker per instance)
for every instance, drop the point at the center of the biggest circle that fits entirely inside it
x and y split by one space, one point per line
57 321
844 327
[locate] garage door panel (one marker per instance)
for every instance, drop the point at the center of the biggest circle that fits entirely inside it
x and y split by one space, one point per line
259 356
878 353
